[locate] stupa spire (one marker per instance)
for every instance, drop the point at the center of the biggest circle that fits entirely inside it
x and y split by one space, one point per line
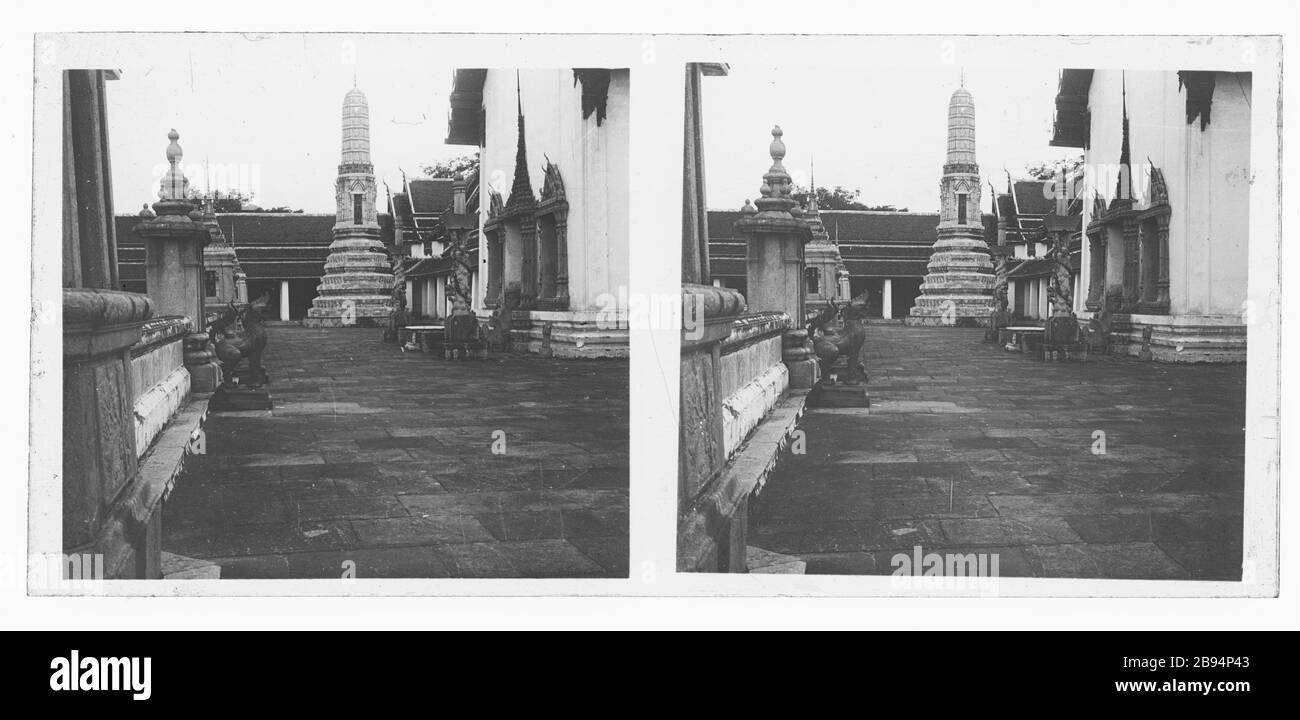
521 189
356 129
961 128
958 285
357 287
1124 184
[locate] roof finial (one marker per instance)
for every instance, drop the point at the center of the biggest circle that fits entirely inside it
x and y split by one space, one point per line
1124 184
963 76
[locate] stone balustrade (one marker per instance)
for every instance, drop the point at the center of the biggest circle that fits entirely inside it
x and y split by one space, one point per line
159 379
753 376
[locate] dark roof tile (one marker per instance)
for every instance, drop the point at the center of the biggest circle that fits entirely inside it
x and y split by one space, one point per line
402 209
430 196
1030 199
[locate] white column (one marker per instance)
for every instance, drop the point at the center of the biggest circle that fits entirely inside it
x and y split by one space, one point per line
410 296
284 299
887 299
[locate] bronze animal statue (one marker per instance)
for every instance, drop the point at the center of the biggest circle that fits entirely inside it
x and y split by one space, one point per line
847 340
232 351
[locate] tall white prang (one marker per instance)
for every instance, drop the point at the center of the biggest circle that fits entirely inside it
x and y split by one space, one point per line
357 287
958 285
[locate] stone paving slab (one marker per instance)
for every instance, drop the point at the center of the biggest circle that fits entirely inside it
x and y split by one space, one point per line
384 462
968 448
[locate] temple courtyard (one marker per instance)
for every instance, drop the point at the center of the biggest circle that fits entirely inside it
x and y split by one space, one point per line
968 448
379 463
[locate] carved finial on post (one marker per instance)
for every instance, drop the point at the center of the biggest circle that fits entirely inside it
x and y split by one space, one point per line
775 190
173 191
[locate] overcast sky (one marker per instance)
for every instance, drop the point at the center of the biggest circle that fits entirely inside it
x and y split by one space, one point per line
271 120
882 130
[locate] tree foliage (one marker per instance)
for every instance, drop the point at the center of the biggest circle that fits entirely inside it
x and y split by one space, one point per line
232 201
841 198
456 167
222 202
1051 169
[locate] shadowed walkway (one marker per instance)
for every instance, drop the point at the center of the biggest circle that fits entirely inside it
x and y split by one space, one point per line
386 459
969 448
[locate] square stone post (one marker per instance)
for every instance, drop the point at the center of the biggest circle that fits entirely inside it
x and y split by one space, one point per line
174 245
774 264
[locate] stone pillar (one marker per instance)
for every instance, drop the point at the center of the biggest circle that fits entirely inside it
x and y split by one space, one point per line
774 265
174 245
1153 232
1096 267
284 299
887 300
241 287
1162 275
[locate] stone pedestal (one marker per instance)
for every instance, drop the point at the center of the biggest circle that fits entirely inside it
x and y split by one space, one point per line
775 240
201 361
797 354
174 269
774 263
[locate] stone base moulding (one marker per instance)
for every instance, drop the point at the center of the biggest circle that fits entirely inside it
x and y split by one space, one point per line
711 533
130 536
572 334
1177 338
745 408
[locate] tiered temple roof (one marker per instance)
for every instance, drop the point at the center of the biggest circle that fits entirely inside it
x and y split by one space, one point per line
279 246
872 243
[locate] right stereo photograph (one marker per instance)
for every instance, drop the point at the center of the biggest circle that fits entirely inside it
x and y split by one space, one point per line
964 322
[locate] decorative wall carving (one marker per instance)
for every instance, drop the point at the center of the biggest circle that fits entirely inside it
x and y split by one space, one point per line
553 235
1154 232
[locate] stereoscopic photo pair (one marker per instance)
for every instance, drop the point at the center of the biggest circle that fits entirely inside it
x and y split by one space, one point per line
924 341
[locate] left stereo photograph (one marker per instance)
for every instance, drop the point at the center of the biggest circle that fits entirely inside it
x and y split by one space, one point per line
329 311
